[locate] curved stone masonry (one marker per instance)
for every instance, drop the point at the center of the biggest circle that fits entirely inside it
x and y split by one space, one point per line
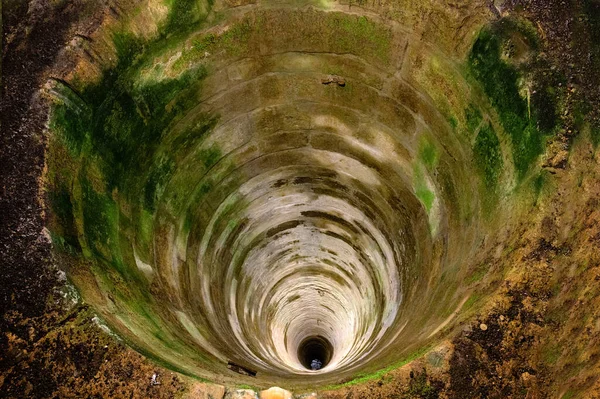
289 219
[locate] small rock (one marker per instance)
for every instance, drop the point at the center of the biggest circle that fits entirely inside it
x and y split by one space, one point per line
240 394
527 377
205 391
312 395
275 393
483 327
436 359
334 79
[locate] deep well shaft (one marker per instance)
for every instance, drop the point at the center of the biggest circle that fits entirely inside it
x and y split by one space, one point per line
273 185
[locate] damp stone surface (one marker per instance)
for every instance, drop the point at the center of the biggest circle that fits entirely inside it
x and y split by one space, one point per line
305 194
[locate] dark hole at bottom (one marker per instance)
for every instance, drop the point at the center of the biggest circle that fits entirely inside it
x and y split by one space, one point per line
315 352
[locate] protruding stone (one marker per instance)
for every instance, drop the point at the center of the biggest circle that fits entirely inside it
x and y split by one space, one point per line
275 393
483 327
240 394
205 391
334 79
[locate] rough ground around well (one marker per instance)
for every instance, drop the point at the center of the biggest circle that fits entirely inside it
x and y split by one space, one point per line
48 346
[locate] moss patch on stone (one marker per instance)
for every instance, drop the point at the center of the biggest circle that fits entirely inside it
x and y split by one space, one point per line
488 156
501 83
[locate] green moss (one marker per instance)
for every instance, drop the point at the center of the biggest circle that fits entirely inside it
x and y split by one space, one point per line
500 81
345 34
126 122
186 140
210 156
71 122
185 14
544 105
478 274
488 156
145 221
422 191
156 181
473 118
100 224
250 387
62 206
351 34
428 154
115 131
205 188
426 196
453 122
60 201
187 224
473 299
234 41
128 48
381 373
595 134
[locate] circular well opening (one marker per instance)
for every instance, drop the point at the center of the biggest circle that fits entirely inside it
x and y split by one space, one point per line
315 352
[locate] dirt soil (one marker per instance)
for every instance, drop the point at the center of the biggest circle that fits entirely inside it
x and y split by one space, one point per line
48 347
